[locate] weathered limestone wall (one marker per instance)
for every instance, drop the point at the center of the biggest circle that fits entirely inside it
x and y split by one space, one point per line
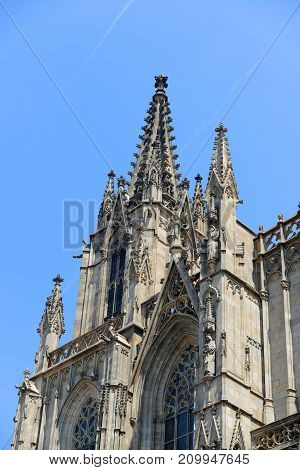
102 374
278 346
294 279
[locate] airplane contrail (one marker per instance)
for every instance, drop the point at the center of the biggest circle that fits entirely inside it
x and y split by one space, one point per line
105 35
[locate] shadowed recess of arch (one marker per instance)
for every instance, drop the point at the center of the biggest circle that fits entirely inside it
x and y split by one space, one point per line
157 366
72 409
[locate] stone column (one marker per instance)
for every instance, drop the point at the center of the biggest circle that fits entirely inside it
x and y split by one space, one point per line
291 398
268 414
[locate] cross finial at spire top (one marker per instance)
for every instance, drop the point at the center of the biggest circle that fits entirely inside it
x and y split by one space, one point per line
198 178
58 279
161 82
221 130
111 174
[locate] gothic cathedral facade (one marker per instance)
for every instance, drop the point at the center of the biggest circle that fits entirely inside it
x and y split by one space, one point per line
187 328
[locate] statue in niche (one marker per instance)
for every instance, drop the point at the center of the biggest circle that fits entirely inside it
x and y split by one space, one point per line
209 352
174 229
147 216
153 178
213 243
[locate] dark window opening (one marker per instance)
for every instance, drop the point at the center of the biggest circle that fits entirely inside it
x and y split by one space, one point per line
116 278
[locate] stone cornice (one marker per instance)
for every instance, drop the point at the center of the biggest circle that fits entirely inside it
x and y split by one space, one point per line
234 277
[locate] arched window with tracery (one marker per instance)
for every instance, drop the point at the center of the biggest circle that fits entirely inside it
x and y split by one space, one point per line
116 280
179 402
85 428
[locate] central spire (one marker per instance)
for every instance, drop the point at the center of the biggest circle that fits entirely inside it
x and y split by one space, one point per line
155 174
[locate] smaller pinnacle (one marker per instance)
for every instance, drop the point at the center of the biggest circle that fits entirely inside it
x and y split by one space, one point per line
198 178
111 174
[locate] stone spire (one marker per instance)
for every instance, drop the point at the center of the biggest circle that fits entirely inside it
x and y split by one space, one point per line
107 201
221 164
52 324
155 174
198 205
52 319
198 193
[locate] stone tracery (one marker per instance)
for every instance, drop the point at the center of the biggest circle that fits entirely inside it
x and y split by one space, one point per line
85 428
179 402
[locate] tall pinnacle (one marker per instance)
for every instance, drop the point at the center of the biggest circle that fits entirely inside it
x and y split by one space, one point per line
198 204
221 164
107 201
52 325
155 170
52 319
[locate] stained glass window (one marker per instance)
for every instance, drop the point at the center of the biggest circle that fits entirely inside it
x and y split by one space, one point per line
84 434
179 402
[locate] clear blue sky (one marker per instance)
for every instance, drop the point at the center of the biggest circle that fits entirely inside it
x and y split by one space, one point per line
103 55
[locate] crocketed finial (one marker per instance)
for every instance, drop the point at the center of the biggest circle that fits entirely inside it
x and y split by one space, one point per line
185 184
58 279
221 129
161 82
111 174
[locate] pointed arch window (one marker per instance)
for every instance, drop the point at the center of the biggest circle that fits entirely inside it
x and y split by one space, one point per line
179 403
116 282
85 429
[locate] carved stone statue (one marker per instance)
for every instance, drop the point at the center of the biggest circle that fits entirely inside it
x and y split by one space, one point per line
174 229
209 351
213 244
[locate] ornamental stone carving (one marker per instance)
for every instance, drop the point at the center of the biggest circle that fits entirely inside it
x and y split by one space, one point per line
209 352
285 284
213 244
273 263
293 252
223 343
264 295
284 435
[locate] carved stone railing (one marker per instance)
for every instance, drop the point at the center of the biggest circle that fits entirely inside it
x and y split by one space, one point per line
281 233
283 434
77 345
